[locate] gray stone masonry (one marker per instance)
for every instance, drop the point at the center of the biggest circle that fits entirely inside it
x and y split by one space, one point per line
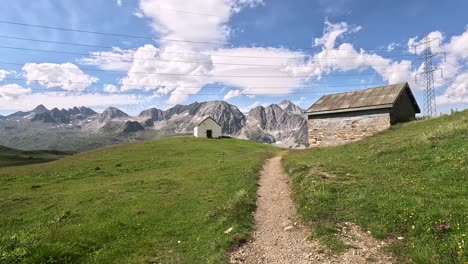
340 130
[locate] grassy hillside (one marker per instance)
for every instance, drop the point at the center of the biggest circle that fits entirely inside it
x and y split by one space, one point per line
165 201
409 182
15 157
68 139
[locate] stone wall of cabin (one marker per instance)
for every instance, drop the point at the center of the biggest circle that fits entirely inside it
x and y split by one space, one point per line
337 129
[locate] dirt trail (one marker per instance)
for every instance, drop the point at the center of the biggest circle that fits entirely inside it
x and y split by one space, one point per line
280 238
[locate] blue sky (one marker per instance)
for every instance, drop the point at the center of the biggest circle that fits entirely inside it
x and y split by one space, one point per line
254 52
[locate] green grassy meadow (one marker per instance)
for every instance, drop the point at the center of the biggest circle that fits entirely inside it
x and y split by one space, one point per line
163 201
409 182
15 157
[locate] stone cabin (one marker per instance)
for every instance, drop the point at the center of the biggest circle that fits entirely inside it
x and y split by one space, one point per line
345 117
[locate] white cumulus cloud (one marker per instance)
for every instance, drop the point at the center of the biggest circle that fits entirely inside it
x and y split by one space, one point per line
271 76
203 20
332 31
181 68
458 45
182 72
12 91
232 94
4 74
110 88
434 39
66 76
457 92
115 60
345 57
166 72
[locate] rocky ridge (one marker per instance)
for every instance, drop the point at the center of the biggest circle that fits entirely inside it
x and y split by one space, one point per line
111 113
282 124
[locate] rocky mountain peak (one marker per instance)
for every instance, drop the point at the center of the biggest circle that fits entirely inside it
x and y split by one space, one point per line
72 111
40 109
185 117
290 107
258 114
151 115
274 113
75 112
152 112
258 108
111 113
176 110
86 111
51 116
282 123
228 116
285 103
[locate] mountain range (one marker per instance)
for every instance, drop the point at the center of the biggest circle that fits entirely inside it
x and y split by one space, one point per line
81 128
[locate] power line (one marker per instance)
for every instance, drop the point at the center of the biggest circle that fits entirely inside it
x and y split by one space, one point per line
190 87
448 82
442 83
180 53
448 95
208 75
178 93
454 73
152 38
187 12
451 64
181 61
451 82
202 94
107 34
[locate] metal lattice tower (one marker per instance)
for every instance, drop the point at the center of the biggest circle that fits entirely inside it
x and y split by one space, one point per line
430 109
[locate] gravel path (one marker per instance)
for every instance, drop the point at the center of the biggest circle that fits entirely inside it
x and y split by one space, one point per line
280 238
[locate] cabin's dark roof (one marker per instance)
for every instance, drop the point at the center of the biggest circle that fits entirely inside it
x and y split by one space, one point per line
207 119
367 99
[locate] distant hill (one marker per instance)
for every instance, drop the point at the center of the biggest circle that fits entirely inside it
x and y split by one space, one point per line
15 157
